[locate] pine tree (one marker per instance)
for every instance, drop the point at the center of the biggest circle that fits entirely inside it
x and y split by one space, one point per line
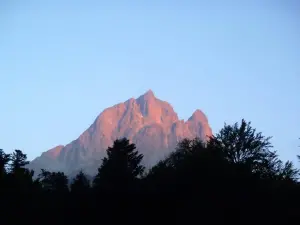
121 168
80 183
4 160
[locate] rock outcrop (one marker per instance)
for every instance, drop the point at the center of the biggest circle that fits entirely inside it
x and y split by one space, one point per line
147 121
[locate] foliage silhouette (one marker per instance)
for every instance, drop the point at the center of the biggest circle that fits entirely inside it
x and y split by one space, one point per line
18 161
243 146
233 177
121 168
80 183
4 160
53 181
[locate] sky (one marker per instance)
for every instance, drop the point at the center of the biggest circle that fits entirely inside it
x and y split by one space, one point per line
63 62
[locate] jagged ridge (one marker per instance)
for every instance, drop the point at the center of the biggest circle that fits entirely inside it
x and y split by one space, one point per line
147 121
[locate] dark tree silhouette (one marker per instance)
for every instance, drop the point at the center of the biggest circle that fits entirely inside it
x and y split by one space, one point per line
288 172
121 168
242 145
20 177
80 183
18 161
234 177
54 181
233 165
4 160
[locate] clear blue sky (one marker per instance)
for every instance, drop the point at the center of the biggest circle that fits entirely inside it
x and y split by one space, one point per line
63 62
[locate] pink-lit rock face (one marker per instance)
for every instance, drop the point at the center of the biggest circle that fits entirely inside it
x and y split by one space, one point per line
48 160
149 122
54 152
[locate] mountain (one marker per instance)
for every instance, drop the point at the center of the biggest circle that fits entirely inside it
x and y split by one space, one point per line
147 121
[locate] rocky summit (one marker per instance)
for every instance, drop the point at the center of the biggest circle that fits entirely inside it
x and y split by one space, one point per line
147 121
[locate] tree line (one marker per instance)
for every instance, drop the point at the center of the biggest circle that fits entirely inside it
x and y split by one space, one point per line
235 177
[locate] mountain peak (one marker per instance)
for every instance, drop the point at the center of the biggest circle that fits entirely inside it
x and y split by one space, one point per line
148 95
149 92
150 123
198 115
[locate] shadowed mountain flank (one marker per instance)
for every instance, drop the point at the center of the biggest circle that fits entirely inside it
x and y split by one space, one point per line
152 124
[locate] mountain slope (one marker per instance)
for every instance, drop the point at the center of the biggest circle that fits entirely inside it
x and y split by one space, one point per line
147 121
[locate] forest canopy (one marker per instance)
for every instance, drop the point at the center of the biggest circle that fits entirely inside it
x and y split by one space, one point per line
235 176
